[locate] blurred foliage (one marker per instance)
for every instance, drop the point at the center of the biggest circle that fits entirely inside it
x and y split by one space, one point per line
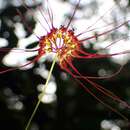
74 109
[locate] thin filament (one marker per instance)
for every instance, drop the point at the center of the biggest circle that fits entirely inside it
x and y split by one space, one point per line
106 32
96 21
41 11
32 14
29 29
22 66
98 99
101 89
17 50
101 77
96 56
73 14
50 13
43 93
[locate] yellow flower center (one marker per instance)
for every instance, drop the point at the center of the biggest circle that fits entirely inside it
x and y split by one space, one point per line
60 41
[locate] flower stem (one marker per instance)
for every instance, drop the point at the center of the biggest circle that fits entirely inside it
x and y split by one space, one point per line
42 94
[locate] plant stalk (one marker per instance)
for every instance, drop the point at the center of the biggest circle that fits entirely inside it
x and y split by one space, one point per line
42 94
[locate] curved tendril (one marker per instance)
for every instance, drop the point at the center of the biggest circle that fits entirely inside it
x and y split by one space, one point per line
91 93
98 99
76 7
106 92
106 32
114 42
43 93
44 18
96 55
94 29
17 50
96 21
101 77
50 13
100 88
23 20
22 66
43 15
25 6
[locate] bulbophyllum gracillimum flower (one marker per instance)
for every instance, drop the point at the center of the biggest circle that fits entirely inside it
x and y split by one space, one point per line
67 44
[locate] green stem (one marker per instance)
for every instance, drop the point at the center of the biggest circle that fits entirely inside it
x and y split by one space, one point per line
43 93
